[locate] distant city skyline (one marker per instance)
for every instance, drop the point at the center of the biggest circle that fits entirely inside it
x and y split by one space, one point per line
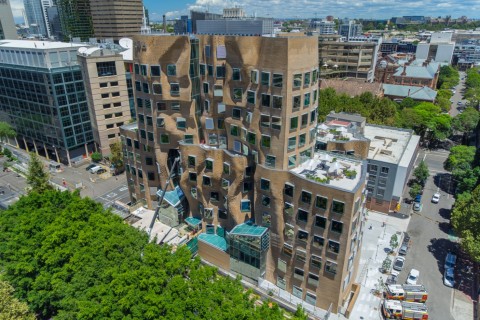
376 9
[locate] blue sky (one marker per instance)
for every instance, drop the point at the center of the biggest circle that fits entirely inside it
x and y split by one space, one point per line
320 8
308 8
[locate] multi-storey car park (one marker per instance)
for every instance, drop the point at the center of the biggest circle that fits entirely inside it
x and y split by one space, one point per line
240 115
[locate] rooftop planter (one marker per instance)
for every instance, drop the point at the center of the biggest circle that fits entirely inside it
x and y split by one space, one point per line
317 179
350 174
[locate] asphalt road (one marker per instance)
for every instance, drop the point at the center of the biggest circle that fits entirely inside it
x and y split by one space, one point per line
431 237
458 96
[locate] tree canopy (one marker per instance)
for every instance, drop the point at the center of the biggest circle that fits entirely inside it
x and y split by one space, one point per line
6 131
466 121
421 173
10 307
461 161
37 177
71 259
448 77
466 221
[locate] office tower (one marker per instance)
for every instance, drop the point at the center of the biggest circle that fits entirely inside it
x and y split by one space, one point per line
36 12
42 95
7 25
116 19
107 94
76 19
239 117
54 22
350 28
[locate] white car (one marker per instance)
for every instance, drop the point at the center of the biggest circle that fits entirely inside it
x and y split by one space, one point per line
436 198
449 278
413 276
399 263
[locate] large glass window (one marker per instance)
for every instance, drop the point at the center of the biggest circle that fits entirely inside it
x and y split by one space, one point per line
302 215
265 141
292 143
155 71
251 97
265 78
306 197
318 242
265 100
106 69
320 222
171 70
278 80
331 267
336 226
293 123
297 80
338 207
321 202
333 246
289 190
236 74
277 102
264 184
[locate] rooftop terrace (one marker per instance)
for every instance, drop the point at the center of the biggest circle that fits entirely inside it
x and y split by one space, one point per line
332 169
387 144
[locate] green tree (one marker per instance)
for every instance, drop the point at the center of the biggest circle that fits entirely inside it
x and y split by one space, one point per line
394 241
72 259
10 307
466 222
421 173
96 156
116 154
466 121
448 77
37 177
6 131
415 190
460 157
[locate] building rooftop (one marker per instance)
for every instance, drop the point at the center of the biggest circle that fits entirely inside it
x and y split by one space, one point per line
416 70
387 144
162 232
346 116
248 229
416 93
333 169
29 44
213 240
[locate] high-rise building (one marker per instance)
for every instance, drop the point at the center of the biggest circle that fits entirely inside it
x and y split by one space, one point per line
36 12
107 94
55 24
76 19
323 26
239 116
199 15
116 19
7 25
350 28
42 95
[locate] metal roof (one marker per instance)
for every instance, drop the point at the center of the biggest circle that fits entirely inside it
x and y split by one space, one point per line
248 229
213 240
416 93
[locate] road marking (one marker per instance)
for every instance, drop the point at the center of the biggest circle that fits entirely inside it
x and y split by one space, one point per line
424 156
111 195
123 189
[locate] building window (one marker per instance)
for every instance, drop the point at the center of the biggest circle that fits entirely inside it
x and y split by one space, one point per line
320 222
143 69
236 113
171 70
306 99
161 106
289 189
226 168
333 246
276 123
297 80
278 80
254 76
318 242
306 79
297 292
298 274
251 137
181 123
336 226
207 181
209 164
306 197
218 91
265 141
234 130
384 171
105 69
270 161
302 215
237 93
174 89
313 279
214 196
192 161
302 140
293 123
296 102
102 85
338 207
236 74
292 161
277 102
222 214
316 261
202 69
302 235
310 298
251 97
313 116
160 122
245 206
155 71
304 119
301 255
264 184
192 176
265 100
205 87
157 88
331 267
266 201
265 78
164 138
210 70
287 249
321 202
220 72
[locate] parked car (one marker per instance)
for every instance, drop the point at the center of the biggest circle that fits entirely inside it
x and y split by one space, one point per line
399 263
459 103
102 170
449 277
95 169
418 198
406 238
436 198
403 249
413 276
417 206
450 260
90 166
392 278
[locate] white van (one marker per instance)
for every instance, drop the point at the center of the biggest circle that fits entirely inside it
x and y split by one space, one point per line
95 169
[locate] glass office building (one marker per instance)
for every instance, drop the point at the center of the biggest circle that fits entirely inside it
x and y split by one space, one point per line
42 95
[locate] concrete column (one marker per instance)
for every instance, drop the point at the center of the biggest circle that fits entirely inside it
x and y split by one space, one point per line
26 145
46 151
16 142
35 146
56 154
68 158
86 150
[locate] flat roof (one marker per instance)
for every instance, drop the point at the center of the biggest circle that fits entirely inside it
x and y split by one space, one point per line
387 144
248 229
35 44
163 232
213 240
331 168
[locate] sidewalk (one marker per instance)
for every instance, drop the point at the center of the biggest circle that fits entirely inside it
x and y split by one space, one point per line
374 244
